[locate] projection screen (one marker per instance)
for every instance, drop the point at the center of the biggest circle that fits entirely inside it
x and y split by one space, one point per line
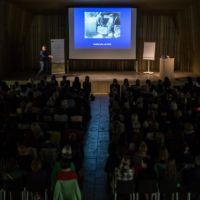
102 33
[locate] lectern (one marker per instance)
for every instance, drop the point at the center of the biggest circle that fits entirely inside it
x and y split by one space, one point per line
167 68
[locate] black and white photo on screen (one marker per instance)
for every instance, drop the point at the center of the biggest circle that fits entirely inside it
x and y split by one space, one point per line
102 25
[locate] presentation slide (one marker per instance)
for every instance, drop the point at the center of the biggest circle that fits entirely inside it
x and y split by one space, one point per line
102 33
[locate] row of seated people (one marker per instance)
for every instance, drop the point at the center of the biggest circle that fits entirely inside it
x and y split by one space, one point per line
155 136
28 170
150 88
39 126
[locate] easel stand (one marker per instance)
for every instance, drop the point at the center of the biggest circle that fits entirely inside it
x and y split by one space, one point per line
148 69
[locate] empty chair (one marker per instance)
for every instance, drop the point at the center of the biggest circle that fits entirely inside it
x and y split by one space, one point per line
14 185
147 187
195 185
124 187
36 186
169 187
78 125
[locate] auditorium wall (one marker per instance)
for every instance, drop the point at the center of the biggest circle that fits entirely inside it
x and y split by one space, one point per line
14 25
160 29
188 26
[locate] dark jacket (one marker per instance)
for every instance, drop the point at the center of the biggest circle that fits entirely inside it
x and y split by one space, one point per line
194 174
43 56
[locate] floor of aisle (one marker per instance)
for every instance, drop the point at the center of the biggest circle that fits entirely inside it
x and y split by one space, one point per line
95 185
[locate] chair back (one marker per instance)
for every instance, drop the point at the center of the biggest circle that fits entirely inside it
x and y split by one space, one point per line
36 185
78 125
14 185
195 185
124 187
147 186
168 186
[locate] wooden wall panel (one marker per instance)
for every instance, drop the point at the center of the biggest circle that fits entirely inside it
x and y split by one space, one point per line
14 25
188 25
159 29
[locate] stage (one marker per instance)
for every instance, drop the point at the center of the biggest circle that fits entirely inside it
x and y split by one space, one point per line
101 80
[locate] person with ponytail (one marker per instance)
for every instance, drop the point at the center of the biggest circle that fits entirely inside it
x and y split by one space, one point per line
124 172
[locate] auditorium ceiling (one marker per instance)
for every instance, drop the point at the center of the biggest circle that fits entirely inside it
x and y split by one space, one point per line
166 7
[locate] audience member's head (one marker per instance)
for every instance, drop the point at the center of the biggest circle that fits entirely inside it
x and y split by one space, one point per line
64 164
197 160
170 167
36 165
143 149
11 165
137 82
163 154
22 150
124 163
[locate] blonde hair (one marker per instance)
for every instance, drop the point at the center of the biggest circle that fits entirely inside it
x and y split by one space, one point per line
134 118
189 127
35 128
22 150
173 106
50 103
56 94
67 150
143 148
124 162
36 165
163 153
64 105
177 113
31 81
170 167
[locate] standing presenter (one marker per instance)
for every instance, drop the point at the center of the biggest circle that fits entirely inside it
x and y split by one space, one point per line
43 61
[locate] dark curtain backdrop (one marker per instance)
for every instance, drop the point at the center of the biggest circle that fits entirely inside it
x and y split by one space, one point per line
188 25
159 29
14 26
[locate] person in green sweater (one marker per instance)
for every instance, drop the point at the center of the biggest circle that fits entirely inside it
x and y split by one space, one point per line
65 153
